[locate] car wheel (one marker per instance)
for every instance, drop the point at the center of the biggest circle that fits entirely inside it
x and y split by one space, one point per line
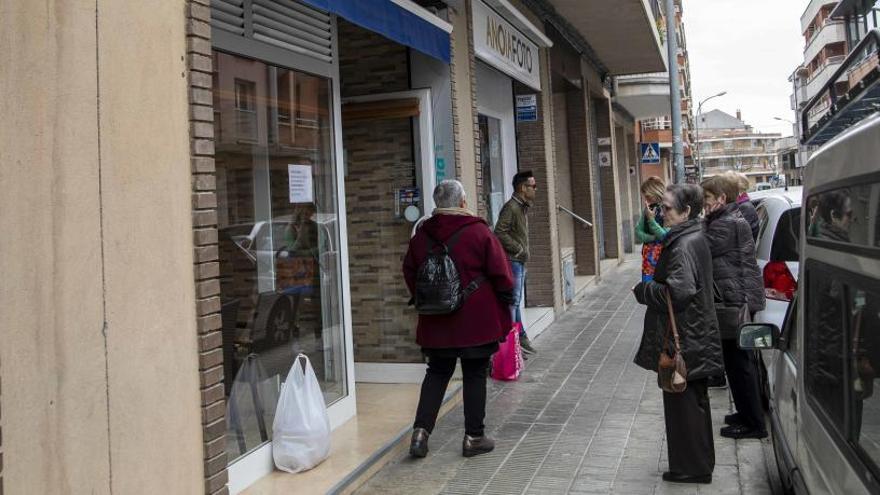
279 324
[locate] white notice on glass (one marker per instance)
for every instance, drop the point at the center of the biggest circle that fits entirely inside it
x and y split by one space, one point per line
300 183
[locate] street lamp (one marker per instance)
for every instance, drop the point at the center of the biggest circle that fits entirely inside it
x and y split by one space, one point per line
697 137
783 120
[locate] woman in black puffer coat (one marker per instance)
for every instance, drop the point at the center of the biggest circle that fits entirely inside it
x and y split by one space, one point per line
685 270
739 294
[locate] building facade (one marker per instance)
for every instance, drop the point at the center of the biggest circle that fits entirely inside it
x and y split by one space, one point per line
848 94
646 96
727 143
245 192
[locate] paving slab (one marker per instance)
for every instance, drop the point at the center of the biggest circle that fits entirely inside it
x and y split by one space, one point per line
583 419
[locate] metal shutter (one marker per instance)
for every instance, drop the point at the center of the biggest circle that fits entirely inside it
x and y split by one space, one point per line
284 23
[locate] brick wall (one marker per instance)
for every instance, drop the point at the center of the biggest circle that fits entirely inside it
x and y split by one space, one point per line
581 181
379 153
482 208
610 226
535 152
205 250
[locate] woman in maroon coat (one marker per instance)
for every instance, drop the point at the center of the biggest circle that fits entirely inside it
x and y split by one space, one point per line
472 333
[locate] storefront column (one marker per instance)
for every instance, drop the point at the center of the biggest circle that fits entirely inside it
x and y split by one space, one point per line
586 252
621 166
608 177
634 176
535 153
465 131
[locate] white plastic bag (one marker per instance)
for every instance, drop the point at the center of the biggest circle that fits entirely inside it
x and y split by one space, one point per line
301 430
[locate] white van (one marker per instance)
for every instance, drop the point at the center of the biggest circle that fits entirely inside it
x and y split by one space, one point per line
824 364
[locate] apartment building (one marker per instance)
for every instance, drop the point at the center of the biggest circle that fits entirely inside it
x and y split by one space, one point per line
851 93
832 31
825 47
647 97
727 143
204 189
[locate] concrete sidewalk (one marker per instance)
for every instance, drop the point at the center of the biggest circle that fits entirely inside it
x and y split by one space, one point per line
582 419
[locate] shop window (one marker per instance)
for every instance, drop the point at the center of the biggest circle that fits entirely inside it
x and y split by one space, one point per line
278 239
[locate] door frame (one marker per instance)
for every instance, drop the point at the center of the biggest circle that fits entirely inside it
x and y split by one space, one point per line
426 178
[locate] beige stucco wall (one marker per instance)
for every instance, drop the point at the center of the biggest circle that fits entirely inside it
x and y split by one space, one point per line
87 241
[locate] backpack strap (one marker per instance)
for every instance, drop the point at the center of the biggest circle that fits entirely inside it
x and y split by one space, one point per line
473 286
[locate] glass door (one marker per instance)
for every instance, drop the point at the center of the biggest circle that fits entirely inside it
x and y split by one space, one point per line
278 237
492 166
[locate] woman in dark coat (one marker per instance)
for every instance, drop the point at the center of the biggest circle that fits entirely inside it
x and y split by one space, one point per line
739 291
685 270
744 203
471 333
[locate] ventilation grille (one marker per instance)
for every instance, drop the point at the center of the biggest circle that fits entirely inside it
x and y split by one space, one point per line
284 23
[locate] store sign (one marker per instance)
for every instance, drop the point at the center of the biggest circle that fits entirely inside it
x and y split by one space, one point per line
504 47
526 108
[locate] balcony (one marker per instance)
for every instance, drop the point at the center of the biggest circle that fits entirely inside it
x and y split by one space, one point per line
829 32
812 10
820 77
644 95
624 37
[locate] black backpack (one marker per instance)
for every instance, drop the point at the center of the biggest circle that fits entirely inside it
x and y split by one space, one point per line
438 284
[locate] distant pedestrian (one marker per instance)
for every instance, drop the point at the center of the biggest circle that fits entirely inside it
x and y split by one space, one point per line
472 332
744 203
738 287
684 272
650 230
512 230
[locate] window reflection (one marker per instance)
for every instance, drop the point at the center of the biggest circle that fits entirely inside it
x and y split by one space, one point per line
864 360
848 215
825 343
278 238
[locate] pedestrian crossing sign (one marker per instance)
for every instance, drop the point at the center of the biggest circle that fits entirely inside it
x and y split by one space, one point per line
650 153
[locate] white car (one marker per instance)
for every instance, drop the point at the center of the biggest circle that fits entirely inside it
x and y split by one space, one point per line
779 216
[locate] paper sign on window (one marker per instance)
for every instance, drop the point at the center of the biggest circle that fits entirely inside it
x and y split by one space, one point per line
300 183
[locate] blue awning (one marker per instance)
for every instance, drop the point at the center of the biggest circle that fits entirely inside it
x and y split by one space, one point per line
392 21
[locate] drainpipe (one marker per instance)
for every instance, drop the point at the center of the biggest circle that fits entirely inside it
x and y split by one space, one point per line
675 100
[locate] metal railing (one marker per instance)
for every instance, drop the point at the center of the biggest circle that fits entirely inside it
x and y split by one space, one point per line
574 215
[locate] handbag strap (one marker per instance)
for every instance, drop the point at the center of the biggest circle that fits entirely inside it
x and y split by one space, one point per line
672 325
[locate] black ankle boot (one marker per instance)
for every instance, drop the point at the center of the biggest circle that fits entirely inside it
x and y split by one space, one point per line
472 446
418 446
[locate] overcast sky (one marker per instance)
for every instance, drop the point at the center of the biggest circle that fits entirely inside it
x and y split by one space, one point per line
747 48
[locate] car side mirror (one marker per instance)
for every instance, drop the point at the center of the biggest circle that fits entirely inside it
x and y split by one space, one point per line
758 336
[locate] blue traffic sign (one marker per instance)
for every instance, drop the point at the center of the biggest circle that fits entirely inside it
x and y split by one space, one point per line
650 153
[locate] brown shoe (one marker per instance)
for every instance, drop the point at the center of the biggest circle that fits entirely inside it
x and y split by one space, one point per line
472 446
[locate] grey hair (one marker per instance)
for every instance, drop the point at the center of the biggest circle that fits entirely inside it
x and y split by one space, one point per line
449 194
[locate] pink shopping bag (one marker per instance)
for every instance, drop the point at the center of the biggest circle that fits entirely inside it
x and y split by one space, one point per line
507 363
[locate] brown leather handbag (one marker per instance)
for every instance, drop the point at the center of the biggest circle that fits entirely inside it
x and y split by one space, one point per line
671 370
